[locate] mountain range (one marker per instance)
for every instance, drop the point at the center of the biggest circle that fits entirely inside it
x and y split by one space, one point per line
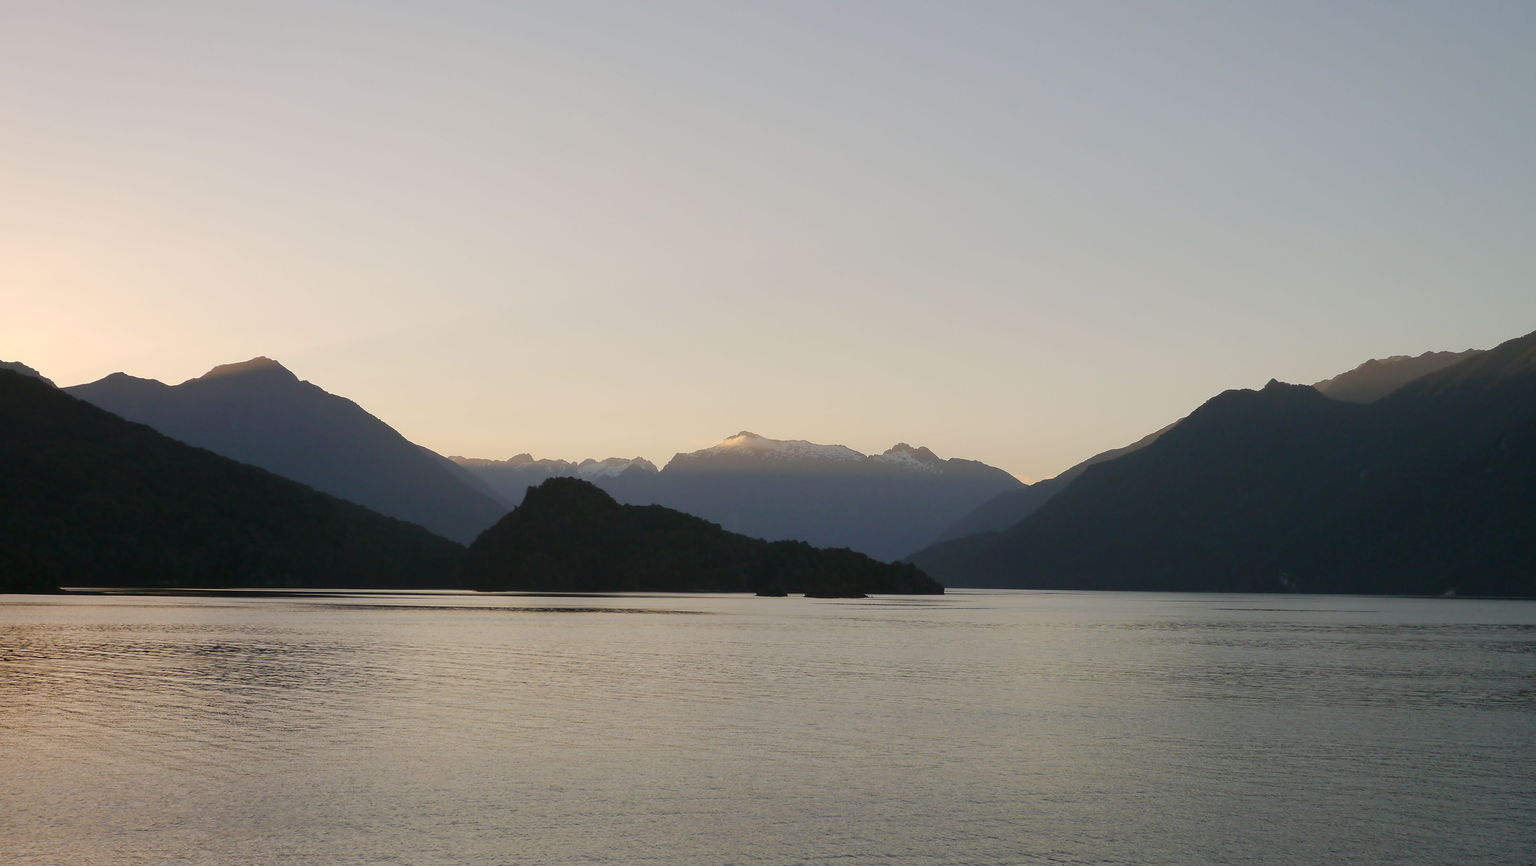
781 489
258 412
1430 489
627 480
92 499
1405 474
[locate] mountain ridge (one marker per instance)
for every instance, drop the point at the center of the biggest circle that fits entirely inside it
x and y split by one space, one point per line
96 500
259 412
1285 489
23 369
1365 383
1379 377
780 489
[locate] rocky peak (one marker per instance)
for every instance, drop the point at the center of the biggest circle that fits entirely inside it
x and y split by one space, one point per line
919 453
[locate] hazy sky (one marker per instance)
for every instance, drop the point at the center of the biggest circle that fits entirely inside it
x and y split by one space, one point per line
1020 232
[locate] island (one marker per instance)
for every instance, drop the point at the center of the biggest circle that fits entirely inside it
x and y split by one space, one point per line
570 536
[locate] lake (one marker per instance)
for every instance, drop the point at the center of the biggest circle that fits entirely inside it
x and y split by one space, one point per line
978 727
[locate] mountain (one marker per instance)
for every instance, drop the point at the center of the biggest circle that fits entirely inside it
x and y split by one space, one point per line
570 536
91 499
1429 490
827 495
23 369
627 480
1009 507
784 489
1364 384
1377 378
257 412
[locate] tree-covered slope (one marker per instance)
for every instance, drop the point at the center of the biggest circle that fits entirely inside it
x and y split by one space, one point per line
1428 490
570 536
1363 384
91 499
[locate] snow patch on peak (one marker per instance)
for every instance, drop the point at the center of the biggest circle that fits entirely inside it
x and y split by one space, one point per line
919 458
747 442
612 467
918 453
901 456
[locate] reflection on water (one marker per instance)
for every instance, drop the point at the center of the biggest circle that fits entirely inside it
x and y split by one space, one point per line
978 727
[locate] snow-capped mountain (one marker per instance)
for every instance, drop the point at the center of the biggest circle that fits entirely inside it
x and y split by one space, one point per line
612 467
920 459
751 445
750 449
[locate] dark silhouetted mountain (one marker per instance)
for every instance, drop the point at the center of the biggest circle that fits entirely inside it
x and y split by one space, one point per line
93 500
827 495
1011 506
257 412
627 480
1377 378
1364 384
23 369
1429 490
570 536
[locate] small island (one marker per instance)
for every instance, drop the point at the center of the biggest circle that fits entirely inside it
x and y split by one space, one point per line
570 536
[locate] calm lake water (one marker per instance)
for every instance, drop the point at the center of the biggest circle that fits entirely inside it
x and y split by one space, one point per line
976 728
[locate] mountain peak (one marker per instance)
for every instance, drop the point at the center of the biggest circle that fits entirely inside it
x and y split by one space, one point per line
565 494
24 370
919 458
747 442
920 452
257 366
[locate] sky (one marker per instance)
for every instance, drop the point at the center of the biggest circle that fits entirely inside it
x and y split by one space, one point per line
1017 232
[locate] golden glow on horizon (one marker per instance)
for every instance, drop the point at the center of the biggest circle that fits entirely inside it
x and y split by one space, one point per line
1006 232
